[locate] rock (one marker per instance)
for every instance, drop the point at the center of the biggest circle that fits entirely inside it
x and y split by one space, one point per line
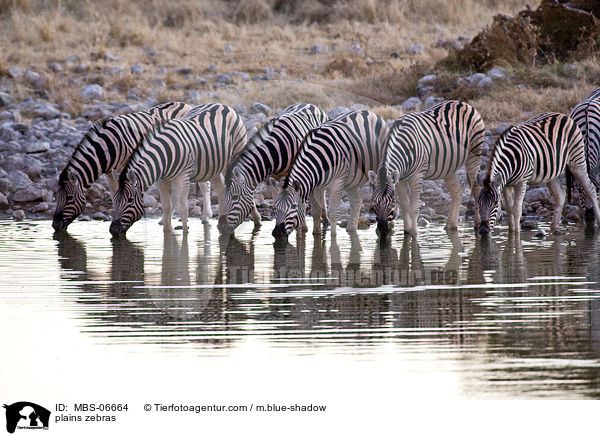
46 111
37 147
241 75
19 180
229 48
41 207
500 129
14 72
213 68
4 99
241 109
223 79
416 49
81 68
34 79
541 233
72 59
93 91
485 82
359 107
158 82
426 80
8 133
356 50
149 201
411 104
496 73
337 111
5 186
569 68
27 195
56 67
99 216
18 215
136 68
364 222
317 49
259 108
3 201
431 100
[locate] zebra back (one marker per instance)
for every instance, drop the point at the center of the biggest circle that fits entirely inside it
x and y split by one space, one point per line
347 146
274 146
200 144
439 139
537 150
109 143
586 115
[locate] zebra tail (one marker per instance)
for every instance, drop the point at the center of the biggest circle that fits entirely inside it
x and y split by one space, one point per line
569 176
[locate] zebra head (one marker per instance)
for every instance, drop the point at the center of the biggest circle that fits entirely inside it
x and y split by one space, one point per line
489 206
238 201
383 197
128 204
289 210
70 200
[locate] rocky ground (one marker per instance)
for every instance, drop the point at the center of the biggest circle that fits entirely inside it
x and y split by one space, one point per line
37 139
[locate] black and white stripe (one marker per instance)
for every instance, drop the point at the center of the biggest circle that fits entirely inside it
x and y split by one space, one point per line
107 146
269 152
335 156
587 117
197 147
432 144
537 152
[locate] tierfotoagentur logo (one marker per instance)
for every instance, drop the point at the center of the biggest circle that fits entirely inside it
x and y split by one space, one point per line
26 415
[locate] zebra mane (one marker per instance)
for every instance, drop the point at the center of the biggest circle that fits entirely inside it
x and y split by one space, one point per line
255 140
488 174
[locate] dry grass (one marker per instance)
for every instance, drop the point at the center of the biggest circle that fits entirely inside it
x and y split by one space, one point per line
271 33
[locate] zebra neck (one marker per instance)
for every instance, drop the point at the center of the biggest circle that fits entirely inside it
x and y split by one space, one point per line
256 165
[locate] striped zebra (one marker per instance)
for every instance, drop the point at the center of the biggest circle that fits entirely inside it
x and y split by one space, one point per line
105 148
269 153
194 148
587 117
537 152
334 157
432 144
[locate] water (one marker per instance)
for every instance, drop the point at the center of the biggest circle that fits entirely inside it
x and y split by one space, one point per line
449 317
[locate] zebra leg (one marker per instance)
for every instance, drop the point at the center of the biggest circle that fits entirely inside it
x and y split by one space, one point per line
206 208
182 185
316 208
219 187
475 189
581 176
508 195
164 189
355 204
256 216
456 190
321 199
559 201
335 196
517 209
402 194
414 200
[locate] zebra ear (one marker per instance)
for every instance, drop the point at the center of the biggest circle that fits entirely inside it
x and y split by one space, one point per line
372 175
479 179
395 177
72 179
237 175
274 182
296 185
131 177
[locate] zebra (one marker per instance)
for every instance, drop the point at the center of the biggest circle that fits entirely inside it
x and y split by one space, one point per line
432 144
269 153
587 117
537 152
334 156
105 148
194 148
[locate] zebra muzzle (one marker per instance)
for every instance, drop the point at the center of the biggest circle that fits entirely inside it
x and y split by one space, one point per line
484 229
116 229
383 228
279 231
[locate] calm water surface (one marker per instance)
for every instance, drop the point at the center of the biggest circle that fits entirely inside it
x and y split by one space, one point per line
449 316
